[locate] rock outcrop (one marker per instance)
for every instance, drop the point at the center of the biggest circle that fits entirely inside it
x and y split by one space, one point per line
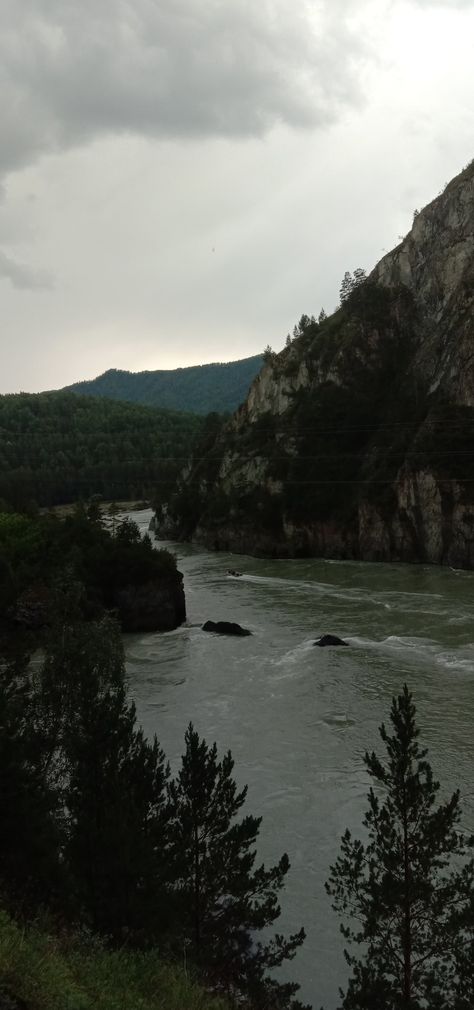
330 640
226 628
152 606
356 440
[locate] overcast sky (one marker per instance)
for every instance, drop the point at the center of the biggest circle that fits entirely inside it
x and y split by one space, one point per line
181 179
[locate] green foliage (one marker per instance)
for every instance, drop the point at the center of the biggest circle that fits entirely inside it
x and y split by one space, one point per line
48 973
223 900
341 427
93 828
57 448
30 805
443 443
350 282
269 355
331 447
199 388
36 554
115 783
405 892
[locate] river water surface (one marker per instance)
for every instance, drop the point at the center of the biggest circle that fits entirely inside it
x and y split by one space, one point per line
298 719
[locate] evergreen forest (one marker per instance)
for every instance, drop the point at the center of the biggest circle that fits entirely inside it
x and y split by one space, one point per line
202 389
59 448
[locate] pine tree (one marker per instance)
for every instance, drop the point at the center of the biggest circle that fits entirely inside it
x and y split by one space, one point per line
113 783
350 282
113 512
404 891
222 899
347 286
94 511
30 810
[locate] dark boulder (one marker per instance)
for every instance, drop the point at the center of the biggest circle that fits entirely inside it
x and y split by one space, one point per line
330 640
225 628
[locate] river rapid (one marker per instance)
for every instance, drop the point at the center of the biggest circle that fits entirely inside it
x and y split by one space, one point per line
299 719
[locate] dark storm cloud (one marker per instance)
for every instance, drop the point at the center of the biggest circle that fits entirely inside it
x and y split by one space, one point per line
72 71
23 276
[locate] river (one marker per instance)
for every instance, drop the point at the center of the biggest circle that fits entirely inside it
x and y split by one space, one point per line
298 719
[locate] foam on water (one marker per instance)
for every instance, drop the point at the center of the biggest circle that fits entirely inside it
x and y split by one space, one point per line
297 719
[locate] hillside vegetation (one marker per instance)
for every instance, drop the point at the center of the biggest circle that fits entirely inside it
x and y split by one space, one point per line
38 971
97 832
57 448
199 388
113 569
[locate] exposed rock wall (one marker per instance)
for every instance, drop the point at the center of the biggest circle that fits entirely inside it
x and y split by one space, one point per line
357 440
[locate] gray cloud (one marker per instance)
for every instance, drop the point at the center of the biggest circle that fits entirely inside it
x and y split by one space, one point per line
174 68
23 276
73 72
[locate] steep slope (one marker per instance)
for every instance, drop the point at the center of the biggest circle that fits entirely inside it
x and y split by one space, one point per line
200 389
357 440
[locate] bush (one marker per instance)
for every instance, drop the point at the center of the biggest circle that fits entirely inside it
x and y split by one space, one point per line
78 974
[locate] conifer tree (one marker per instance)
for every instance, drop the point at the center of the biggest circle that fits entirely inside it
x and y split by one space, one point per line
405 892
223 900
113 783
30 821
347 286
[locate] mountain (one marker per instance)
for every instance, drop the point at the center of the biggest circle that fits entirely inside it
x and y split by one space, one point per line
200 389
57 448
356 441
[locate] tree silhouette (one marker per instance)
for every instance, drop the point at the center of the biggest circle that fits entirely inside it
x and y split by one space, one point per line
223 899
405 891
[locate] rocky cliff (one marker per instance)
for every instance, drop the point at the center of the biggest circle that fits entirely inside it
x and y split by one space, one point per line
357 440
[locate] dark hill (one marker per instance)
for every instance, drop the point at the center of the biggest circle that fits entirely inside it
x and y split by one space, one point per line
58 447
200 389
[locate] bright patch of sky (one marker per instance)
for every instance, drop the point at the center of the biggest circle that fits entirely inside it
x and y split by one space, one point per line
182 179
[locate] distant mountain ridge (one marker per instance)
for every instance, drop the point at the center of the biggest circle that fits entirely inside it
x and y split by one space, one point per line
200 389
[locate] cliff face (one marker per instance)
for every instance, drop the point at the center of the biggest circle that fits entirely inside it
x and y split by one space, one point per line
357 440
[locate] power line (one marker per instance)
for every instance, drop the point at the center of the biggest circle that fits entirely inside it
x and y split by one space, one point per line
290 429
140 478
289 458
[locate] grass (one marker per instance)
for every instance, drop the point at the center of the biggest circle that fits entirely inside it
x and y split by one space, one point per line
38 971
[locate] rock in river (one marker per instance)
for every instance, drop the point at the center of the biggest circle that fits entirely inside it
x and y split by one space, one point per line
330 640
225 628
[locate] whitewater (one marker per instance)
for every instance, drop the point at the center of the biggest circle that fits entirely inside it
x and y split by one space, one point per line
297 718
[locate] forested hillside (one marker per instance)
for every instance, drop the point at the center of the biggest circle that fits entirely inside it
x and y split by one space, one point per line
57 448
200 388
